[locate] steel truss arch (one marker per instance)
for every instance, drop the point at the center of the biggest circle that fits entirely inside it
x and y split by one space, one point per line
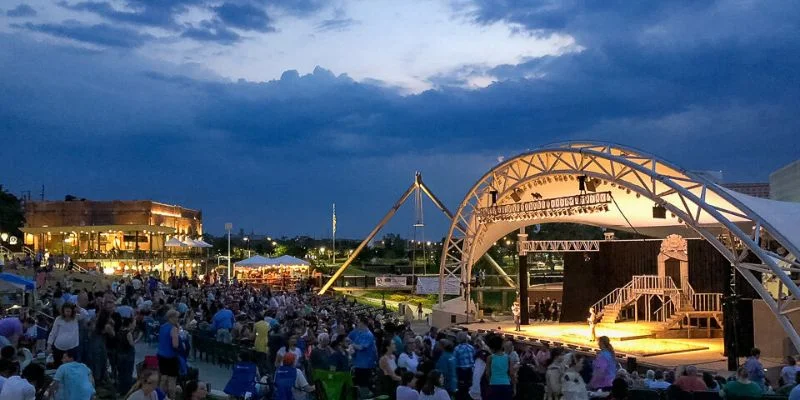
697 202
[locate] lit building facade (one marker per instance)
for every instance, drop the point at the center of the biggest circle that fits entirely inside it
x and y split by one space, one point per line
785 183
112 234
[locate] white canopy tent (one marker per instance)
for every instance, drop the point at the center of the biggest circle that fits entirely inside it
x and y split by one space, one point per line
255 261
288 261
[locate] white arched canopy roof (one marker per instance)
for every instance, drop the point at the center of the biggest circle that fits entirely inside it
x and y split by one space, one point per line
736 224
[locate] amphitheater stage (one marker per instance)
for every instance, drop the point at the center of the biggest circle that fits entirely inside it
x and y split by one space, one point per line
630 340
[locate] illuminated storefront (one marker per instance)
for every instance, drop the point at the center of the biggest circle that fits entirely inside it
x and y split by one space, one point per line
114 235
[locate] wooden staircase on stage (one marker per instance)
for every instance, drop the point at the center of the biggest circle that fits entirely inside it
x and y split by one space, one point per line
678 306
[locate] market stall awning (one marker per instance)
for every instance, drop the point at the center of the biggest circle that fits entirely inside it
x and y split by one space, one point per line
254 262
16 282
175 242
98 228
202 243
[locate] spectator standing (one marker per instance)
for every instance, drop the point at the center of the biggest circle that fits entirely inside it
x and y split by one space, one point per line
261 342
604 367
406 390
291 347
223 319
12 328
446 364
433 389
365 355
498 366
409 360
18 387
465 362
321 356
168 342
476 390
388 366
754 368
126 355
65 334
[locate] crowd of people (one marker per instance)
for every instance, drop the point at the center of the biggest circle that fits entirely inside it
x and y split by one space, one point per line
81 344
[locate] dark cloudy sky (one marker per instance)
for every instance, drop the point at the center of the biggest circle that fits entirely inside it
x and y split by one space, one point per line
263 113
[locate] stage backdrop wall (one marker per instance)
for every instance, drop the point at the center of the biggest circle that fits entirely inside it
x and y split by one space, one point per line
588 280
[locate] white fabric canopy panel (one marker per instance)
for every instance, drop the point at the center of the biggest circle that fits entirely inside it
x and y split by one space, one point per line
254 262
174 242
635 182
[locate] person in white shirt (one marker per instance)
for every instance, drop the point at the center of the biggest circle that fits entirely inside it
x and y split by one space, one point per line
6 370
477 373
406 389
409 358
21 387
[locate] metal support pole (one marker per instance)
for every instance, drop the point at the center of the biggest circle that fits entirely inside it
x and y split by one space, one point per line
228 228
366 240
524 317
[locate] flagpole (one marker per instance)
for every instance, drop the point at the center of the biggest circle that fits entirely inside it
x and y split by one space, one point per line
334 233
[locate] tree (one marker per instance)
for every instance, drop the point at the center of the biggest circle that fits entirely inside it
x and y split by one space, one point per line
12 217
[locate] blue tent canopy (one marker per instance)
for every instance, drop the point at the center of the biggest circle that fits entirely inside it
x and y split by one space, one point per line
16 282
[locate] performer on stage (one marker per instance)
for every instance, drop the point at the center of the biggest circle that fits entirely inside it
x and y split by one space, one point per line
592 322
515 312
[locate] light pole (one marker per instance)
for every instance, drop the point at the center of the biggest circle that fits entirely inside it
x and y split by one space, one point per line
247 240
228 227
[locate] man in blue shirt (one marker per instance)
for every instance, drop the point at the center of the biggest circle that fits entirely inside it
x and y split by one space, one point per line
754 368
465 361
366 354
73 380
223 319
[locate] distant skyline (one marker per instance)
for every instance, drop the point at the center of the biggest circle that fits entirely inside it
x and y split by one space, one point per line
264 113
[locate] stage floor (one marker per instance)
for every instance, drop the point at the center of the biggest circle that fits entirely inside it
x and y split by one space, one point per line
630 338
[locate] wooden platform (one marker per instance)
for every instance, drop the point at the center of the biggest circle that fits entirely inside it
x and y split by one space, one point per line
630 339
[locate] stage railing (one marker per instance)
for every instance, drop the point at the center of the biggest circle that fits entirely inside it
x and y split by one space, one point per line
707 302
618 297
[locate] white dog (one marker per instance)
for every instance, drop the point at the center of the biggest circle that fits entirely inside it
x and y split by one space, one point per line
554 374
573 387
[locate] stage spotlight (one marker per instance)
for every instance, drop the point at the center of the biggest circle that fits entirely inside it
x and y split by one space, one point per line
659 212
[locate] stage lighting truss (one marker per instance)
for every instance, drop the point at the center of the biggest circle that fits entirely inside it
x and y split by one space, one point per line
548 214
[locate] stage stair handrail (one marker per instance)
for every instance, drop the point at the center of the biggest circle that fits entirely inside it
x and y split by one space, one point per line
618 297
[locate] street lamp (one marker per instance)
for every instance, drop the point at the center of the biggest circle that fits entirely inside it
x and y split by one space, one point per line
247 240
229 227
